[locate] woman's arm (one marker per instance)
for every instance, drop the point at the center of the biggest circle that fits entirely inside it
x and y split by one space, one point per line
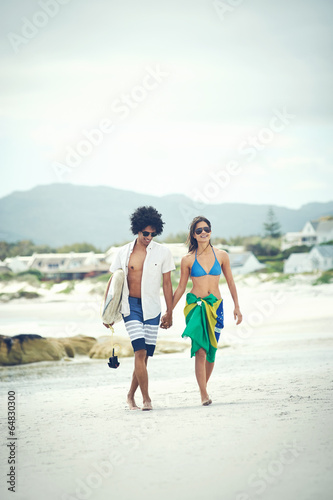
226 269
185 269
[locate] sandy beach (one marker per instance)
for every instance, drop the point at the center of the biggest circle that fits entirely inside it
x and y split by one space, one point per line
267 435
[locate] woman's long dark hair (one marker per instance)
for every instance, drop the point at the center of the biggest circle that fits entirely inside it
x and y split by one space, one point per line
191 241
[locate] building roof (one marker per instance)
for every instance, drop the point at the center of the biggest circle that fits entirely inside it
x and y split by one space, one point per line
314 224
324 250
324 227
239 259
297 258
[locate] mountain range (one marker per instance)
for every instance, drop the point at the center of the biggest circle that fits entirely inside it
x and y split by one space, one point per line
59 214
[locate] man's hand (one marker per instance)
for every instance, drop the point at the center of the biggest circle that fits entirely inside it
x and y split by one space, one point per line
238 315
107 326
166 320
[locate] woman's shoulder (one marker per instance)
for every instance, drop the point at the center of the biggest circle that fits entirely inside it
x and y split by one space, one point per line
221 254
188 258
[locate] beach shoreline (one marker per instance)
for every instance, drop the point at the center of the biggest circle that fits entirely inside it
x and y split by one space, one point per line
267 434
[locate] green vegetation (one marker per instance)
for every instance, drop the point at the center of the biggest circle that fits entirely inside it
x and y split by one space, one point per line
21 294
25 248
272 266
22 248
6 276
102 278
70 287
78 248
325 278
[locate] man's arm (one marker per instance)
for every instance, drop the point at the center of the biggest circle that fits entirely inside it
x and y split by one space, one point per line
166 320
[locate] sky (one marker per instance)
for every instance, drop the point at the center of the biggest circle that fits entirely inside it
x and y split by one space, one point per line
223 101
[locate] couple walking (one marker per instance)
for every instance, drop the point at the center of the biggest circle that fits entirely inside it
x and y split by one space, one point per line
144 263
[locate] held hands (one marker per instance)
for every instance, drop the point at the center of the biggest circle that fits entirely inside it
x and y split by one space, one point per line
238 315
166 320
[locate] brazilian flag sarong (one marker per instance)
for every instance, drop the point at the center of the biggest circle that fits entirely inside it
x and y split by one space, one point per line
201 317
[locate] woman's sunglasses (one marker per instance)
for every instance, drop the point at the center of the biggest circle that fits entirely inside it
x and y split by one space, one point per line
200 229
147 233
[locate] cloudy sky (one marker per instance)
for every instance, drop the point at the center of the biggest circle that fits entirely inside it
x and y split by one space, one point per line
220 100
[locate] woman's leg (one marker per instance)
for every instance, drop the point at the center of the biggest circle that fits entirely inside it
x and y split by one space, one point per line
209 370
200 373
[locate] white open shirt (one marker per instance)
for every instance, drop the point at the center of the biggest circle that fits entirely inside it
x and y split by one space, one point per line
157 262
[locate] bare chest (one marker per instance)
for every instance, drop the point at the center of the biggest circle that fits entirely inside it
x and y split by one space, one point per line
136 262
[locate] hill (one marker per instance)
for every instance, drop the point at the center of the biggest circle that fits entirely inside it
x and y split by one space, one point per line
58 214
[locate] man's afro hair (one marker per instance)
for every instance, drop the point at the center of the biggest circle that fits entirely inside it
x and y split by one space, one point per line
146 216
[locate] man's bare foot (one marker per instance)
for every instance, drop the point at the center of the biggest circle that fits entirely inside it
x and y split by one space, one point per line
132 404
147 406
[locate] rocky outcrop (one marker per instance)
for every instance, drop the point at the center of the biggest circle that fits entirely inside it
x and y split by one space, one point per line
30 348
123 348
103 348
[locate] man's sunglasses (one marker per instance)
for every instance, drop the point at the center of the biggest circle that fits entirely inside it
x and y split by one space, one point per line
147 233
200 229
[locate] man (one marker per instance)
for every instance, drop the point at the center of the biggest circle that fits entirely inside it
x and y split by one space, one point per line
144 262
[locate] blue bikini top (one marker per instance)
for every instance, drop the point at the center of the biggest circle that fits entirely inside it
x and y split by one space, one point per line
197 270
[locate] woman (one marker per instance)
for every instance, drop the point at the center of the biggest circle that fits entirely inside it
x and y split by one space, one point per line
204 305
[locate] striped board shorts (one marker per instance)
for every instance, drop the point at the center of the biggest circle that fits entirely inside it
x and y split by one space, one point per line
143 334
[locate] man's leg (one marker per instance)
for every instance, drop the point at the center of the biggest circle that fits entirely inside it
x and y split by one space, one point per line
141 374
134 385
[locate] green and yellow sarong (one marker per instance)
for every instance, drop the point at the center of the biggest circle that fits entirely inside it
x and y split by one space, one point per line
201 316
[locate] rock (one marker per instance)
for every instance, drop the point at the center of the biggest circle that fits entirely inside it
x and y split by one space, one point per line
30 348
170 346
22 349
123 347
103 348
81 344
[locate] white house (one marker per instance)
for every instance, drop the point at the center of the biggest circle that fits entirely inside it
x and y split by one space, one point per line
297 263
291 240
309 233
244 263
18 264
324 231
314 232
321 257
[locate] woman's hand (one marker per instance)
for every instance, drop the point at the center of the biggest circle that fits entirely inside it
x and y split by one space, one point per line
238 315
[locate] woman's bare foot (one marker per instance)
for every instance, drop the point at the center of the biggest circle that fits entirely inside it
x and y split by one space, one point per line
132 404
205 399
147 406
